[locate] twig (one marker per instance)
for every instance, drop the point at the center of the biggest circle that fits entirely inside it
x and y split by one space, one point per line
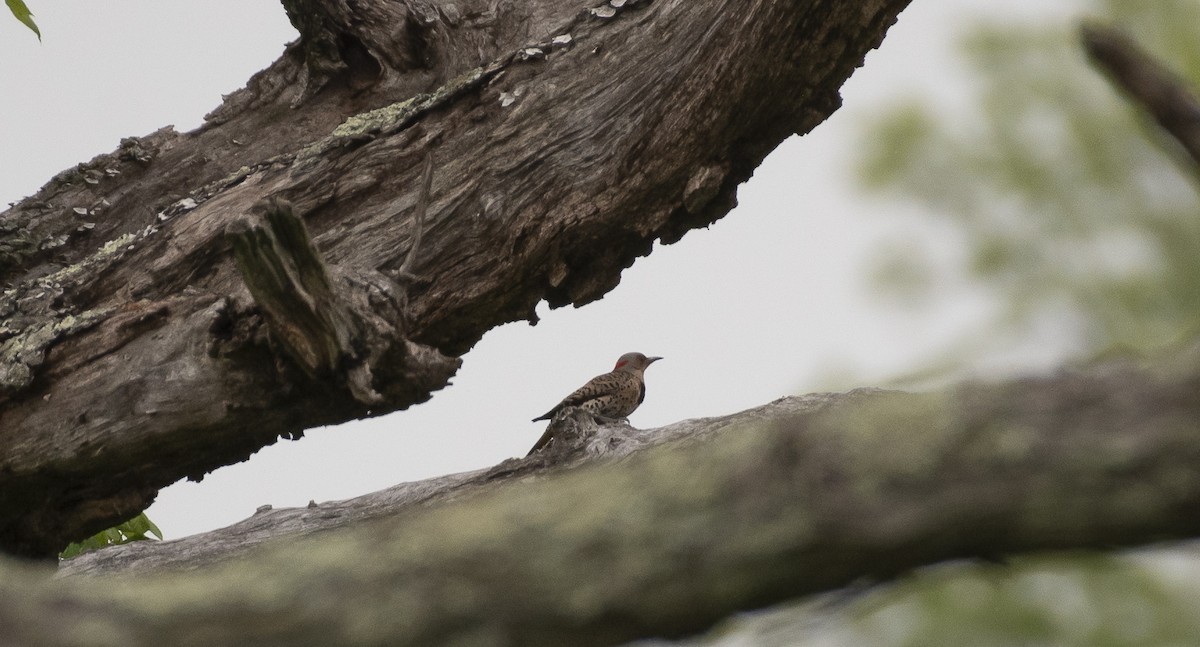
405 271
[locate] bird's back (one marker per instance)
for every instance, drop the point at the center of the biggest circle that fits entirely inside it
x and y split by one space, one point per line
613 395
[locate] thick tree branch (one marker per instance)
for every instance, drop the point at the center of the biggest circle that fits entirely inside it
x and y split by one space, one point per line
799 496
1148 83
132 352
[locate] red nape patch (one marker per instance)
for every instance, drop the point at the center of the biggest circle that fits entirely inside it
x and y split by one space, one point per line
620 364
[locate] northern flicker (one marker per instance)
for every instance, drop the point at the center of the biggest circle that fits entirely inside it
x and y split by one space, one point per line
615 394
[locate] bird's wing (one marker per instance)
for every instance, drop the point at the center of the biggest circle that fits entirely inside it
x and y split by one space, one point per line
595 387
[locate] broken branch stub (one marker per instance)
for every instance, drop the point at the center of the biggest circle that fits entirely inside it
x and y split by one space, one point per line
323 319
293 289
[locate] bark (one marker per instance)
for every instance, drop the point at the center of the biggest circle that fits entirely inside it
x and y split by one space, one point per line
567 138
664 532
578 440
1148 83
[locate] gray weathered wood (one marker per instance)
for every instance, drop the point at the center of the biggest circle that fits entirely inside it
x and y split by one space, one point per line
582 441
568 140
800 496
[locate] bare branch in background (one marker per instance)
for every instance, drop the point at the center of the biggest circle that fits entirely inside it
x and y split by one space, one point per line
1148 83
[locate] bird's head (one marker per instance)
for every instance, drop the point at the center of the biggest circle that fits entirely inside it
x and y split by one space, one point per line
634 362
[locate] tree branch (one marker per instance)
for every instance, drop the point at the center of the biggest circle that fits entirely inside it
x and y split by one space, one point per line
133 353
708 517
1148 83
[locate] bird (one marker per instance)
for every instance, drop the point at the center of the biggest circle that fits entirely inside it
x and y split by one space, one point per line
615 394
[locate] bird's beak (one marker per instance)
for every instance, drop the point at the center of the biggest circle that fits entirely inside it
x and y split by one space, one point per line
651 360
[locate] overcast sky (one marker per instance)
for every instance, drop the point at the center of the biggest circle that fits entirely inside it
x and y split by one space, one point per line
772 300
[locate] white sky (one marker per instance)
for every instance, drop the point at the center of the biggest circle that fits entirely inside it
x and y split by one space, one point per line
772 300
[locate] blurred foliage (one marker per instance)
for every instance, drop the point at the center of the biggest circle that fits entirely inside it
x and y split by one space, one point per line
1069 199
1073 206
22 13
136 529
1083 600
1148 598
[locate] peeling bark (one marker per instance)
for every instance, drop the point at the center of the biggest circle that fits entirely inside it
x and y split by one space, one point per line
568 140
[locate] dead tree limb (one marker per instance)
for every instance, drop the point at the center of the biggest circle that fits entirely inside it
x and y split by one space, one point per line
800 496
571 135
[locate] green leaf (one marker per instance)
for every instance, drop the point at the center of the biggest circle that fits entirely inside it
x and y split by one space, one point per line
18 9
133 530
152 529
138 527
